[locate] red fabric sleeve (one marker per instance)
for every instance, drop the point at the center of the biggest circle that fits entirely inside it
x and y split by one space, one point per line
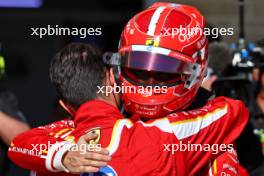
29 149
218 136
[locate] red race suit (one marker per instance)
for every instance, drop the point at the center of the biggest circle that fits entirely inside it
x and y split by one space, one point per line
180 144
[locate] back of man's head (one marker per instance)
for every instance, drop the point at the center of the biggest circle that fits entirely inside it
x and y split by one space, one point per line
76 71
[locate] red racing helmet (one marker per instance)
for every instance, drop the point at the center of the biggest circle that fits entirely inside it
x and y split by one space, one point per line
162 47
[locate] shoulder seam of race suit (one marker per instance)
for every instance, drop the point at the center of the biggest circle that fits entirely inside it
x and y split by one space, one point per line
181 129
185 128
189 127
116 134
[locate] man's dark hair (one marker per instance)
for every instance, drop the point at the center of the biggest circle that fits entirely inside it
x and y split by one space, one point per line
76 71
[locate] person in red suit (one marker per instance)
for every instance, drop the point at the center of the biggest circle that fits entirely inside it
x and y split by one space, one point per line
175 118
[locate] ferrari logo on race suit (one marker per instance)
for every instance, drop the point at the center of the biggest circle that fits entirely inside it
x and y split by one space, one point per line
97 131
152 42
104 171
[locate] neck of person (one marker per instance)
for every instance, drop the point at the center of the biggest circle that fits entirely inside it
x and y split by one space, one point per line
111 99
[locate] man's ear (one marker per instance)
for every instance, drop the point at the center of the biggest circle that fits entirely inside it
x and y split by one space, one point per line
67 108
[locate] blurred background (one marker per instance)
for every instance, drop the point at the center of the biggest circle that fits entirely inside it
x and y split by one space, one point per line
234 59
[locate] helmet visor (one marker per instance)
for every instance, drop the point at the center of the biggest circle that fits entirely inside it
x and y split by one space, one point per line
154 69
154 62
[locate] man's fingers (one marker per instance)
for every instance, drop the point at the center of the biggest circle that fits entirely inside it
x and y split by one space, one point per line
86 138
87 169
102 151
94 163
97 156
90 136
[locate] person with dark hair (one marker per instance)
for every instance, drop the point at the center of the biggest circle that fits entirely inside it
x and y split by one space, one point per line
75 71
69 71
75 75
134 145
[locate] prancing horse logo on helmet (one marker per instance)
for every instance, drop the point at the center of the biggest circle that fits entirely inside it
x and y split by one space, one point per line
152 42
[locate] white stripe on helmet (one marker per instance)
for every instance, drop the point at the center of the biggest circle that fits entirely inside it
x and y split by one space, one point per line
154 19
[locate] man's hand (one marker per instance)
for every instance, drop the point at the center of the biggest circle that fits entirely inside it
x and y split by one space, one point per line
85 161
